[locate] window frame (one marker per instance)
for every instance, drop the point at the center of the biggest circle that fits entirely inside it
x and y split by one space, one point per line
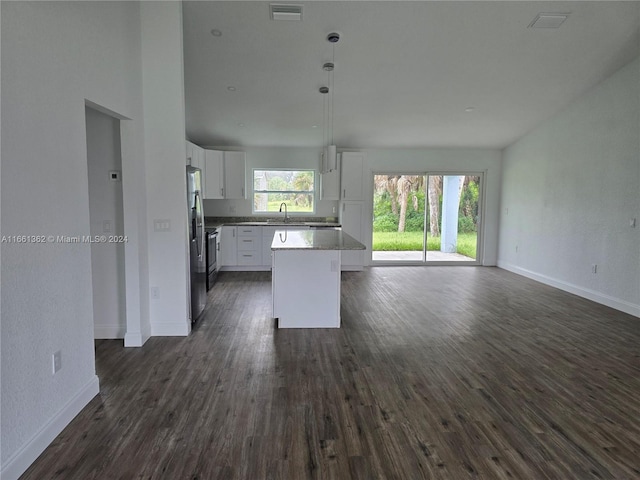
289 212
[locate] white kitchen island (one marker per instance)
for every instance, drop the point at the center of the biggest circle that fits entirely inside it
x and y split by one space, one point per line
306 276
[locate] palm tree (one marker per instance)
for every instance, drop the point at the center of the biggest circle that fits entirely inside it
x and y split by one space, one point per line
304 181
434 192
407 185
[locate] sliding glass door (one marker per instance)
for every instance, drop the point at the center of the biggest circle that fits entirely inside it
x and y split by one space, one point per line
428 218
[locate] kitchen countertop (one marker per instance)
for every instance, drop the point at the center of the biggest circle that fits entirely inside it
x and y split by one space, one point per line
323 239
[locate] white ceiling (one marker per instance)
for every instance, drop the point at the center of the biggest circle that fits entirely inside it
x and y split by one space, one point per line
405 71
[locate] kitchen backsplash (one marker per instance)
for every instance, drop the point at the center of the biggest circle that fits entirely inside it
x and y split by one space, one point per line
221 220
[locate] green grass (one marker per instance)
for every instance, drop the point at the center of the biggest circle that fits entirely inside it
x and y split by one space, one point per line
412 241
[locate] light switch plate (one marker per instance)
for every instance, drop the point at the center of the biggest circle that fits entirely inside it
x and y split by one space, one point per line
56 364
161 225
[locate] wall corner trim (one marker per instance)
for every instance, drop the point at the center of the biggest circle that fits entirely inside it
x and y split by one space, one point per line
20 461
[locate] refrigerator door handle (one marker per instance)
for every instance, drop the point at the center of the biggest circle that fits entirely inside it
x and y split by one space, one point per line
194 228
198 201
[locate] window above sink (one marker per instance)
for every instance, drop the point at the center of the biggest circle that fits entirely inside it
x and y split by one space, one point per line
295 188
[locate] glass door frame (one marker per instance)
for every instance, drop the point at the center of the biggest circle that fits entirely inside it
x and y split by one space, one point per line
480 223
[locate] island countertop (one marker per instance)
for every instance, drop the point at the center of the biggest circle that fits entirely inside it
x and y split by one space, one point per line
323 239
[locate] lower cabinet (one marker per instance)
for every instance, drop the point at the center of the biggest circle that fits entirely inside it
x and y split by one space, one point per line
229 247
351 217
249 246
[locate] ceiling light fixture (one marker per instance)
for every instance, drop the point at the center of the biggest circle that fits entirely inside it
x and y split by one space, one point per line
329 154
216 33
231 88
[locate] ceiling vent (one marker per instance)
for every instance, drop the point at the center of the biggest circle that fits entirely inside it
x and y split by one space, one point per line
285 12
549 20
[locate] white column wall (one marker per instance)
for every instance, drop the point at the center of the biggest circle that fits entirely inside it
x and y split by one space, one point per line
164 140
55 56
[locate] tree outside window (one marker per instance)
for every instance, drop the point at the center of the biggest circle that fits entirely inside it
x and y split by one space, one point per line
273 187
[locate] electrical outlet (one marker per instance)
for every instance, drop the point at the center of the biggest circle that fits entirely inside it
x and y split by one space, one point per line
232 209
155 293
56 362
594 268
106 226
632 223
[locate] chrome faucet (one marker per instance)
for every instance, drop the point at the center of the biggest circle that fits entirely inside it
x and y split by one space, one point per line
286 216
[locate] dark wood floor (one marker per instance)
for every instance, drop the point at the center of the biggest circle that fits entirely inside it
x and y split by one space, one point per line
438 373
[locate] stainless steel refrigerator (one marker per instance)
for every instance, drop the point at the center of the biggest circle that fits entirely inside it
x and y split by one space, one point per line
196 242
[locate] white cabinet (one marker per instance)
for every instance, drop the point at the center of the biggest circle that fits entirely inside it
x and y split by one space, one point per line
214 173
228 247
305 286
249 246
351 218
189 147
234 174
225 174
195 158
330 184
352 167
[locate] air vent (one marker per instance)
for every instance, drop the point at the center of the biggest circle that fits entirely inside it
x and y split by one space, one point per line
549 20
285 12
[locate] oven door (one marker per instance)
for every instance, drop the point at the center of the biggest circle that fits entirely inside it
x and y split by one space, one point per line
212 258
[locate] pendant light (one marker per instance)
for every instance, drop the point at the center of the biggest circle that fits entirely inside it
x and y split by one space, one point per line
329 156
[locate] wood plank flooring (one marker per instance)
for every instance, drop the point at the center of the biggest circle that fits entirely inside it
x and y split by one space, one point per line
437 373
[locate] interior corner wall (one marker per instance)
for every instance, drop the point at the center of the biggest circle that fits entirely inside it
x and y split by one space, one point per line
164 139
55 55
570 191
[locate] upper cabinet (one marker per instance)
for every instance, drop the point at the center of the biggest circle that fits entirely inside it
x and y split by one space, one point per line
189 152
195 158
214 164
330 184
234 174
352 164
225 174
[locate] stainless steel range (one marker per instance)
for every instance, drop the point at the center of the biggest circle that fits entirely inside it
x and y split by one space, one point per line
212 256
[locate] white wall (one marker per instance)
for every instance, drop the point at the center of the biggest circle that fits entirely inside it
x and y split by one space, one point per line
57 57
107 218
54 56
270 157
570 188
164 130
445 160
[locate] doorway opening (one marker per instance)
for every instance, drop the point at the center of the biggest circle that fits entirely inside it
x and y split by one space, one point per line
106 216
426 218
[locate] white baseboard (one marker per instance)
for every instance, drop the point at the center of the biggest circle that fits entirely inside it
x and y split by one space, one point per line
609 301
133 339
245 268
110 331
18 463
170 329
352 268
